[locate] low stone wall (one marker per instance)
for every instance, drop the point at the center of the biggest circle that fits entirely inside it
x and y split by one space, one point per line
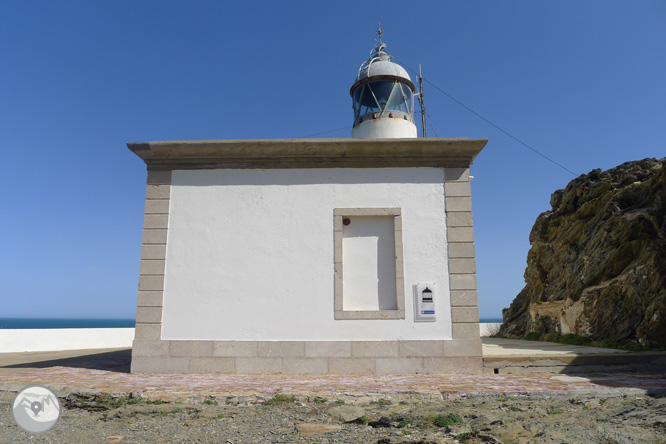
651 361
489 328
54 339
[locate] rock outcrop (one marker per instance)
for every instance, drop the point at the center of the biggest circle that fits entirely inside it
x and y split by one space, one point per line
597 262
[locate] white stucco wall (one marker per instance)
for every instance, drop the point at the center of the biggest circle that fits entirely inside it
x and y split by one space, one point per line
250 252
369 264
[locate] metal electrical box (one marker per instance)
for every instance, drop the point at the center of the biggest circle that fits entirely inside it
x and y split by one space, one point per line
425 294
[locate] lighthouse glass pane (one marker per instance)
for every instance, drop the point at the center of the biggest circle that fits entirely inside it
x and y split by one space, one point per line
368 104
398 100
357 105
401 99
382 90
409 97
364 102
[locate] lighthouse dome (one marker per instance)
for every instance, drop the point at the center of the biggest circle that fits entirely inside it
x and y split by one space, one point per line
383 98
380 64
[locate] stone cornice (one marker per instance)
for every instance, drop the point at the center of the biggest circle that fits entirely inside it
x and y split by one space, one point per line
308 153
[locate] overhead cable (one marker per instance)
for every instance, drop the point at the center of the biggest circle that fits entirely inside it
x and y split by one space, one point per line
324 132
489 122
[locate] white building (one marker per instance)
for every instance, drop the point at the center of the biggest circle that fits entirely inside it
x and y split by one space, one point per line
318 256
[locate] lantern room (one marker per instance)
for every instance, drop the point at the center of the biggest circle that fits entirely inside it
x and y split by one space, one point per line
383 98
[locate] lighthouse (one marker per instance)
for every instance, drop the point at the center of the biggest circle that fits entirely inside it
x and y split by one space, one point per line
312 256
383 98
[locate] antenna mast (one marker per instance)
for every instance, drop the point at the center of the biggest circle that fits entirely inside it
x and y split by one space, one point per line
421 101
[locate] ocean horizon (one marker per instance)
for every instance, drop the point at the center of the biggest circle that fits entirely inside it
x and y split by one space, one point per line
39 323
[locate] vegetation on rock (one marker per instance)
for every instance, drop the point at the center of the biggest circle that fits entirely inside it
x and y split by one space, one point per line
446 420
281 399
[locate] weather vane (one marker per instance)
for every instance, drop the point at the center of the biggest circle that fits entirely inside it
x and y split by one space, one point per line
380 33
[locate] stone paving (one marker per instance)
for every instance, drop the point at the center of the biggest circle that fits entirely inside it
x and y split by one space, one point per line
512 347
108 373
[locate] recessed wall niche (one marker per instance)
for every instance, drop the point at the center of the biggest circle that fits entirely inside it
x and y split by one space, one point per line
369 281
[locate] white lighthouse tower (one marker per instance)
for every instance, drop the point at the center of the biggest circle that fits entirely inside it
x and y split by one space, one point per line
383 98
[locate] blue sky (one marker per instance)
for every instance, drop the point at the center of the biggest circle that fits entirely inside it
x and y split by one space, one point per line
582 82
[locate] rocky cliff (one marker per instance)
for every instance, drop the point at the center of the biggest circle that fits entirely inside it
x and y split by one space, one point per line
597 262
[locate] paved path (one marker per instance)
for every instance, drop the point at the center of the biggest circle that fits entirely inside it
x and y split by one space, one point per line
518 347
187 386
107 371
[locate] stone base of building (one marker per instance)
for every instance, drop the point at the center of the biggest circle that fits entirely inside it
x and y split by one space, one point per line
308 357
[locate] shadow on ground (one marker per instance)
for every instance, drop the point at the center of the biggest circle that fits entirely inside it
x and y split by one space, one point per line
594 372
114 361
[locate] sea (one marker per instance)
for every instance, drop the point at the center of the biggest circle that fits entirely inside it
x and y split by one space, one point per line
29 323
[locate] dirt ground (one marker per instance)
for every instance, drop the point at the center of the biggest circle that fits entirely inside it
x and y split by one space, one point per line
492 418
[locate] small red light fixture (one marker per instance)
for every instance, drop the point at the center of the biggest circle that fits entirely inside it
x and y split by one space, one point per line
346 221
